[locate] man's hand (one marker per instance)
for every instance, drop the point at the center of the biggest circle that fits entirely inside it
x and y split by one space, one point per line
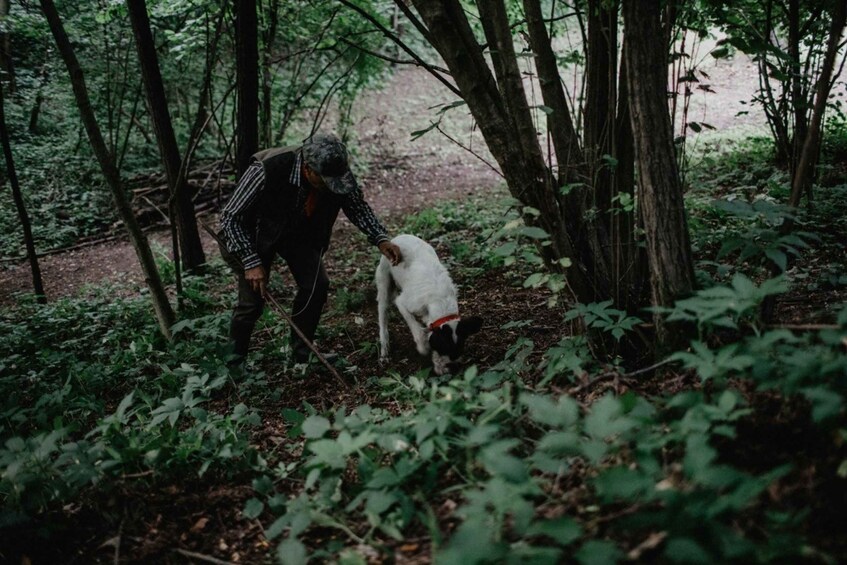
391 252
257 279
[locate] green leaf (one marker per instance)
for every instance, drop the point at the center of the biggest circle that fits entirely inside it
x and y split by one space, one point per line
534 232
598 552
606 418
499 462
170 410
315 426
621 483
544 410
826 404
534 280
291 552
562 530
253 508
506 249
720 52
686 550
327 452
559 443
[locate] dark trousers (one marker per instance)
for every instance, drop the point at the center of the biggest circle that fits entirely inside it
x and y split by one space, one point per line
306 266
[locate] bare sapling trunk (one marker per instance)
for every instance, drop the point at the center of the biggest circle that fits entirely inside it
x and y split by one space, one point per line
660 190
11 174
161 306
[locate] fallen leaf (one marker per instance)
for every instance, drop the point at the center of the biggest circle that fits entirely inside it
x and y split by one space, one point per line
199 525
409 547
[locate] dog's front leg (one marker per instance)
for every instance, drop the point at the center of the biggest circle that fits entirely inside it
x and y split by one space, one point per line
418 331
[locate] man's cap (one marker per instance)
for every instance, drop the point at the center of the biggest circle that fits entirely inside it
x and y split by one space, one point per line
326 155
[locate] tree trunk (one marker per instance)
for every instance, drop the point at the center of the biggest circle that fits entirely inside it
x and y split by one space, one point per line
185 222
162 307
600 101
661 199
799 183
37 284
247 81
7 66
798 100
267 74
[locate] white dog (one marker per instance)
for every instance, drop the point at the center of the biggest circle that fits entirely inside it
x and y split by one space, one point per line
426 300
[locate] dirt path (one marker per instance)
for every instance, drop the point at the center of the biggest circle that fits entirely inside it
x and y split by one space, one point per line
403 175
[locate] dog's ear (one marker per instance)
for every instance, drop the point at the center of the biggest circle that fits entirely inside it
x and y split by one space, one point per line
441 340
468 326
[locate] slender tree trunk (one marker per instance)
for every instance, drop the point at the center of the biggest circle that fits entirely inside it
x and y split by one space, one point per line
184 221
629 263
267 75
247 80
661 199
600 100
161 306
798 101
801 178
37 284
7 66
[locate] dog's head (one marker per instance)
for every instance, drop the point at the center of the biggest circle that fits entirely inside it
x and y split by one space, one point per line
448 340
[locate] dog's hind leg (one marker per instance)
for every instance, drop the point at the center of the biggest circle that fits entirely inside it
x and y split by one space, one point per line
383 299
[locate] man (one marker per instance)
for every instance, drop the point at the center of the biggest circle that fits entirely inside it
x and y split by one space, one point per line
286 204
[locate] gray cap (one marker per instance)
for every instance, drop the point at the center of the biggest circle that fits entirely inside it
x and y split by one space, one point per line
326 155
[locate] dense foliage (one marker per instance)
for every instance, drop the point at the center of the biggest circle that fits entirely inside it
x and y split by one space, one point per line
312 66
558 443
529 459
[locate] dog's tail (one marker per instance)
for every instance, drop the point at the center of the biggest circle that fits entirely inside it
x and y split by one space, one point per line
384 288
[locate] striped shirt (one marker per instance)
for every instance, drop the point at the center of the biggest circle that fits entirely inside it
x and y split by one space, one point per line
241 241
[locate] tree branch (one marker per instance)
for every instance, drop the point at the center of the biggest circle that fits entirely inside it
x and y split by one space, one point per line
402 45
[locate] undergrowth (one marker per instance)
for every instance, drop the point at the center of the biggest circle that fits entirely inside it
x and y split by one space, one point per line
542 456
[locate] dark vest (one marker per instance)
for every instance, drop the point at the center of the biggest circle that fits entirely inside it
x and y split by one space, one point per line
280 216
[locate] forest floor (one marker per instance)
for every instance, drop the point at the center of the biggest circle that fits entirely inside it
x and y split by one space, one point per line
401 178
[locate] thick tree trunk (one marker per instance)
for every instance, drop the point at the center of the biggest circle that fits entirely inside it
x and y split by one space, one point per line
29 242
162 307
247 81
190 246
661 199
